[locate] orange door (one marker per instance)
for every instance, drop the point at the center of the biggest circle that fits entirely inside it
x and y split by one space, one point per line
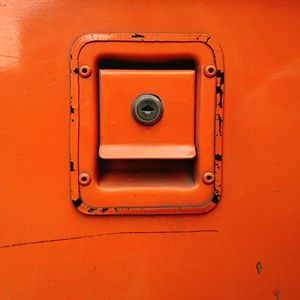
176 224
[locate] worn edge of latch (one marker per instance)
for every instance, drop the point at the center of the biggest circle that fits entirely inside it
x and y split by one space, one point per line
87 209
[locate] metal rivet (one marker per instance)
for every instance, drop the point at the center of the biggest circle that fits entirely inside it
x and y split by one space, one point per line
147 109
208 177
84 178
210 71
85 71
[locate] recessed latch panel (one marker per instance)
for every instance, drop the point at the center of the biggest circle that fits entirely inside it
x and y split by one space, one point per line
146 124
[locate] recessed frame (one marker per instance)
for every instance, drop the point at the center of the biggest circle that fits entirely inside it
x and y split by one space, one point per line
94 199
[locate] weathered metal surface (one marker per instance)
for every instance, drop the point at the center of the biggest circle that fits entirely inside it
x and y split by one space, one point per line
246 248
173 199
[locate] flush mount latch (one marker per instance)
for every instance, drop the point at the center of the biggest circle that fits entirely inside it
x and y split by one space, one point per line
146 124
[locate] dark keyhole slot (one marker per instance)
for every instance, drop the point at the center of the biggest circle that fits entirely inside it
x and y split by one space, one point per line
147 109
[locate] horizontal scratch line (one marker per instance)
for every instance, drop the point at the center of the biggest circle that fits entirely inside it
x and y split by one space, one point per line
104 234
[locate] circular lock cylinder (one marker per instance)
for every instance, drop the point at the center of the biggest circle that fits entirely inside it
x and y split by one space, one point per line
147 109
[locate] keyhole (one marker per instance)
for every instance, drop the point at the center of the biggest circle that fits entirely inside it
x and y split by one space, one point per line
147 109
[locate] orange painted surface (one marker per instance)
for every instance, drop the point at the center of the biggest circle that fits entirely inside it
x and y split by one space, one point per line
246 248
146 186
121 137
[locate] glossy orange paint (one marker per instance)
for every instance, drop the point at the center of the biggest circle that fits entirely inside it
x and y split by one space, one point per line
246 248
101 107
121 137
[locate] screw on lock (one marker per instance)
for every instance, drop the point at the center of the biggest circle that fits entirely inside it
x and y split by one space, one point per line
147 109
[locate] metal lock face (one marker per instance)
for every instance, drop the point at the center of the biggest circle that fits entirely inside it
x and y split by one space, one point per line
147 109
148 140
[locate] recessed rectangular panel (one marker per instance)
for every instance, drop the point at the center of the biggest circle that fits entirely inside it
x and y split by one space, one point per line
120 166
121 136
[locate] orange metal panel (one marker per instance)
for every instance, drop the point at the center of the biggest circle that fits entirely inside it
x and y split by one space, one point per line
121 137
246 248
186 188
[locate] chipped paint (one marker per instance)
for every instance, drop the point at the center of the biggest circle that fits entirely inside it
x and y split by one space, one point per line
71 162
259 267
74 123
136 35
277 294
